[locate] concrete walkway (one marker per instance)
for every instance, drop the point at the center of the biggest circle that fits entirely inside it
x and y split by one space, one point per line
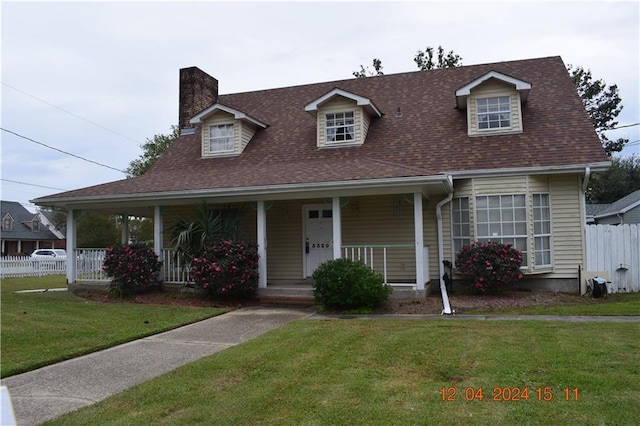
51 391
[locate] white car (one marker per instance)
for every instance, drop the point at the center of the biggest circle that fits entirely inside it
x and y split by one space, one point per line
49 254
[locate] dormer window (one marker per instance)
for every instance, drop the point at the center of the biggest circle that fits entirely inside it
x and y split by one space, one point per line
494 104
35 225
7 224
226 131
221 138
343 118
493 113
340 127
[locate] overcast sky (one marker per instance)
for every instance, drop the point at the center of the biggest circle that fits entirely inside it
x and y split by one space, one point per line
116 65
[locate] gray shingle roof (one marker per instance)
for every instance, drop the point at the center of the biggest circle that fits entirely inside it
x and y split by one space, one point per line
622 205
21 231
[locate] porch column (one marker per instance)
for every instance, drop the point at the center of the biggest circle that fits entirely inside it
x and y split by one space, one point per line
262 245
419 238
158 235
337 229
124 236
71 246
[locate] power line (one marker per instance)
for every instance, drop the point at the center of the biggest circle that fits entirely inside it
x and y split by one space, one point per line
59 150
622 127
33 184
70 113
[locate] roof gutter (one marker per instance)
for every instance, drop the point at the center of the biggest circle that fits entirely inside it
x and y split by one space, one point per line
573 168
446 307
256 192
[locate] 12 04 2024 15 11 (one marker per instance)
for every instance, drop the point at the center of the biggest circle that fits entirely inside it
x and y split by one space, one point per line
508 394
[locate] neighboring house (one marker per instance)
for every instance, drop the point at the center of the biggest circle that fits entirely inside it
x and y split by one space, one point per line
399 170
22 232
593 210
624 211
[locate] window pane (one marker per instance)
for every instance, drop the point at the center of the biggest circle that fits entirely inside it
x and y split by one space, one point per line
508 229
481 202
521 214
494 201
519 201
483 230
521 228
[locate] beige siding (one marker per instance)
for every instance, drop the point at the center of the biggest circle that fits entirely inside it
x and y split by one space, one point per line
493 88
246 133
566 224
284 241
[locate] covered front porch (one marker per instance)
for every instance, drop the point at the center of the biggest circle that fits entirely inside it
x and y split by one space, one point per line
395 232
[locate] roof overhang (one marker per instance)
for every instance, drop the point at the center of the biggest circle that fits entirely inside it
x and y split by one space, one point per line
463 93
621 211
565 169
141 203
238 115
366 103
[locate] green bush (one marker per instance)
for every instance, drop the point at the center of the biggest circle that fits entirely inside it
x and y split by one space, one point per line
494 266
345 284
133 269
227 269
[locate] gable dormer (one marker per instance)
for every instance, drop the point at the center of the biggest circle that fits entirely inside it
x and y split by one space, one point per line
343 118
225 130
7 222
493 103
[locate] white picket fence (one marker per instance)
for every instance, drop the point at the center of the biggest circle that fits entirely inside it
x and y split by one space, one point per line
615 249
22 266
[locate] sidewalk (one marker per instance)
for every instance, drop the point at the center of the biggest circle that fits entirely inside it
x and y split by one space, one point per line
51 391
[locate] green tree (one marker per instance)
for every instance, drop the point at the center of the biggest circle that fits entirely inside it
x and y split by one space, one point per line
152 149
620 180
602 102
366 72
425 60
97 230
141 230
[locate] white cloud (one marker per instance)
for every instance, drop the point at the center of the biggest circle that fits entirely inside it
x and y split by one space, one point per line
117 64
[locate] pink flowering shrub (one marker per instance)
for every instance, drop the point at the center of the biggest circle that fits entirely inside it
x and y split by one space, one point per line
133 268
227 269
493 266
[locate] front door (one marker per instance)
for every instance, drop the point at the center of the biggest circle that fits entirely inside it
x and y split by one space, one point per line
318 244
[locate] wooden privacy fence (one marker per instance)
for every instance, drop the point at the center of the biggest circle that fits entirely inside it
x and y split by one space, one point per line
615 249
21 266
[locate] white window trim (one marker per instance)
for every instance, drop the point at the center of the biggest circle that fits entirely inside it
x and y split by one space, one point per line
212 139
548 235
343 115
479 114
526 255
465 238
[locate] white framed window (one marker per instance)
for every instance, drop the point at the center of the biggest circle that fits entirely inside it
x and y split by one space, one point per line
493 113
221 138
542 230
7 224
35 224
503 218
340 127
461 223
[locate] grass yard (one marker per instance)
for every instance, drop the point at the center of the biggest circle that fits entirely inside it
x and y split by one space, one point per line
43 328
381 372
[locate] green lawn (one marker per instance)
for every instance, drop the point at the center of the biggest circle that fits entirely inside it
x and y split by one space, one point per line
368 372
42 328
614 304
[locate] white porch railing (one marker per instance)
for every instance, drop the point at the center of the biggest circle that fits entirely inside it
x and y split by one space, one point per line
89 264
378 257
23 266
172 268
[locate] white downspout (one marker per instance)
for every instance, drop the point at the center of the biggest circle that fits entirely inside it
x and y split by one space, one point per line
446 307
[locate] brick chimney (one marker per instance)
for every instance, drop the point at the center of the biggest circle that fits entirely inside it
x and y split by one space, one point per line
198 91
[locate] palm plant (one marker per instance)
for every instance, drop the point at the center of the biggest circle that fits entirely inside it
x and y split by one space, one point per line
192 236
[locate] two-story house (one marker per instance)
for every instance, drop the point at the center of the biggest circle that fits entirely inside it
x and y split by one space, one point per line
22 232
399 170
